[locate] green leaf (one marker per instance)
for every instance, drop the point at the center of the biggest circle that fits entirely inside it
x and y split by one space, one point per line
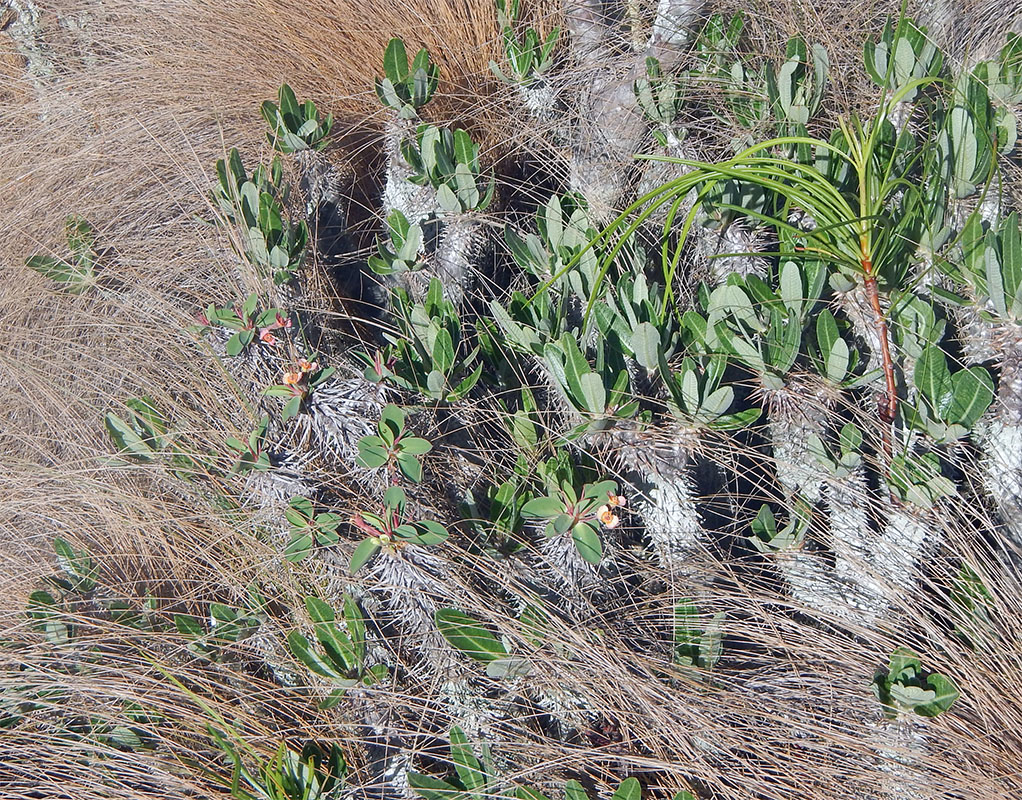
646 345
826 332
414 446
291 409
432 789
542 508
510 668
447 199
792 293
903 664
392 423
429 532
733 299
944 695
718 402
329 635
300 512
995 284
838 361
76 564
410 467
911 697
189 626
395 498
443 351
303 651
972 393
1011 257
575 366
468 635
470 771
299 548
145 410
52 268
740 347
222 613
235 345
850 438
573 791
356 627
366 550
371 454
587 542
593 393
395 61
127 440
630 789
933 379
466 385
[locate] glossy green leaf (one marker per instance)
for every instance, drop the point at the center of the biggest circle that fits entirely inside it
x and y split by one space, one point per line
395 61
304 652
299 548
430 788
410 467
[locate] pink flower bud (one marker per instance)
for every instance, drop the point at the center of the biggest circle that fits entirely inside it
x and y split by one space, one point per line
617 499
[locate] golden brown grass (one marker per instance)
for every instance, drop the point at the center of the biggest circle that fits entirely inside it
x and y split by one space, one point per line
126 136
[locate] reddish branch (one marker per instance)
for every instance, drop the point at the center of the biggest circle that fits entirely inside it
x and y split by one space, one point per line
889 403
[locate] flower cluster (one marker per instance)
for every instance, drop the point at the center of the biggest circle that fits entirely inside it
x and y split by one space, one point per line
298 384
297 378
280 322
605 513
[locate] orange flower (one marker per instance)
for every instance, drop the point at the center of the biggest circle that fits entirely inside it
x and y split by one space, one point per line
616 500
607 517
308 366
292 378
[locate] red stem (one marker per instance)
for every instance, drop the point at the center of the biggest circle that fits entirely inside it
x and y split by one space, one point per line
889 404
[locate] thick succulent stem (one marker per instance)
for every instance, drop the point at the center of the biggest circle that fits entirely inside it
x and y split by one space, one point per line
672 520
865 309
1001 435
907 534
811 581
796 412
26 33
574 582
901 746
338 414
413 584
668 502
853 542
610 124
460 252
415 202
872 569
